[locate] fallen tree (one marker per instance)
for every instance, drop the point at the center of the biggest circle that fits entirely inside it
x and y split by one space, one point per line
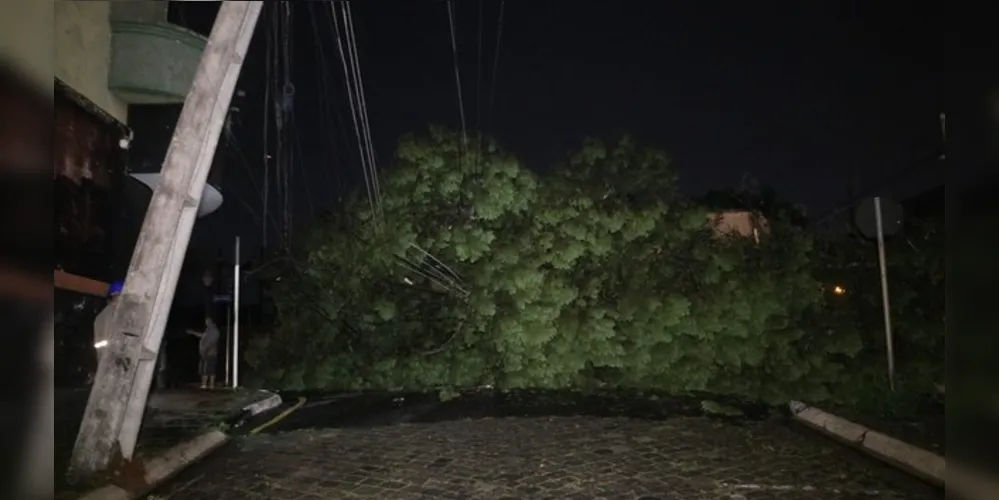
475 271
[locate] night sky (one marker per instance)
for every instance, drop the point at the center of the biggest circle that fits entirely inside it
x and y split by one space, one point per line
820 101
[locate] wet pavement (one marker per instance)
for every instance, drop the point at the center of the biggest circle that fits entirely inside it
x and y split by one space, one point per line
533 445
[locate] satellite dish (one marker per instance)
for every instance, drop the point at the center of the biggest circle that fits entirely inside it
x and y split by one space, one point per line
211 198
866 217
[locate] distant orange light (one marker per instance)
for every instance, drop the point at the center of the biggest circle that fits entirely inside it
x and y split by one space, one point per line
838 290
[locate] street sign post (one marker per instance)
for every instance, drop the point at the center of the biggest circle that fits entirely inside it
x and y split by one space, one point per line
235 321
226 298
228 341
875 218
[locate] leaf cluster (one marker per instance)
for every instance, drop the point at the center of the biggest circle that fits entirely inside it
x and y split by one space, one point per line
476 271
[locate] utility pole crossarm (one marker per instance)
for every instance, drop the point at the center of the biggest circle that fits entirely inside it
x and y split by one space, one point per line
118 398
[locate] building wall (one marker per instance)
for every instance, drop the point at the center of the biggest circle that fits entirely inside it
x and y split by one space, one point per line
739 222
82 35
89 167
26 39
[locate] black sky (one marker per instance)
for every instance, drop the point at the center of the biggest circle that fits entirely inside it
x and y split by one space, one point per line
813 99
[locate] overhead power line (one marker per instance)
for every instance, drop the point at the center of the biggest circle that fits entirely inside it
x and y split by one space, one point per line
876 188
324 79
423 264
366 126
934 159
457 77
492 86
352 97
478 92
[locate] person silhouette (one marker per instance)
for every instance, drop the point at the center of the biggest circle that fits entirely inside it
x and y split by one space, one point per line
208 352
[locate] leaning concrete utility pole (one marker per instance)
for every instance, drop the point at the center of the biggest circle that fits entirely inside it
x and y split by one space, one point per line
118 399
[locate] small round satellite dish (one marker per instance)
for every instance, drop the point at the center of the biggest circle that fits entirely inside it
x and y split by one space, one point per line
865 217
211 198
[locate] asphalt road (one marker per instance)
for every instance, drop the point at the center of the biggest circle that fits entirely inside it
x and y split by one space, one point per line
530 445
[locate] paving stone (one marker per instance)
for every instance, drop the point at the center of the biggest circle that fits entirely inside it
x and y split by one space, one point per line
538 458
171 418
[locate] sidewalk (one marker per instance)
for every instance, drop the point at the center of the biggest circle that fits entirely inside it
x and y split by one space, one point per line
172 417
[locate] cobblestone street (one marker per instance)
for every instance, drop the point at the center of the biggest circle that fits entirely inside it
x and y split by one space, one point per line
685 458
172 416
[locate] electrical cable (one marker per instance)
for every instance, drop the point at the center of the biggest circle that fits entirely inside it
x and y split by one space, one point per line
353 109
415 269
266 133
878 186
457 79
478 94
931 159
492 86
279 119
430 269
347 48
323 78
245 163
287 93
365 124
455 275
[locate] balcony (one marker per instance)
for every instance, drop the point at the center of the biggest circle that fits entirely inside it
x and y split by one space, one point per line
153 62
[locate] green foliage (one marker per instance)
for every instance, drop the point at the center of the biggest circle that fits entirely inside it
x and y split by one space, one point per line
598 274
915 269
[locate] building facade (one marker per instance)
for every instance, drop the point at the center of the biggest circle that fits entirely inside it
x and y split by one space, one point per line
100 59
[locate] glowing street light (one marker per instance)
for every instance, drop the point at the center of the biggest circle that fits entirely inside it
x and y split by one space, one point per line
838 290
101 344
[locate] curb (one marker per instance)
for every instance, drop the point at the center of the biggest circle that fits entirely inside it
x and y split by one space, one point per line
238 417
912 459
165 466
966 482
266 404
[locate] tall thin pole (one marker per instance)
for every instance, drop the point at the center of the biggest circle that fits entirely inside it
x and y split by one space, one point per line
235 323
117 402
885 303
228 339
